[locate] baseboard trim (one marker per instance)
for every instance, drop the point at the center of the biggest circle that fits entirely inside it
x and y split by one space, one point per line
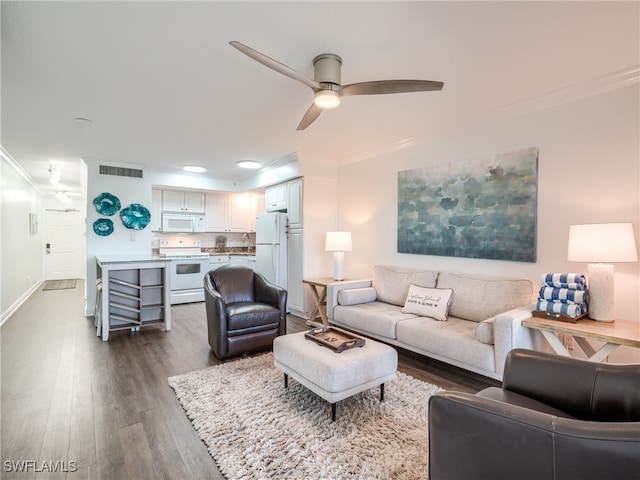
18 303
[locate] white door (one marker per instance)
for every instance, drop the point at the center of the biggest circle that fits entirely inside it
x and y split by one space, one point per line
63 238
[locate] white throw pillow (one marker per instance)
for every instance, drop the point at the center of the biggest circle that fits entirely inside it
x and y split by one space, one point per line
354 296
428 302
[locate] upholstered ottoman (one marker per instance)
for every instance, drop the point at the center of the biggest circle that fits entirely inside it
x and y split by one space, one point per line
334 376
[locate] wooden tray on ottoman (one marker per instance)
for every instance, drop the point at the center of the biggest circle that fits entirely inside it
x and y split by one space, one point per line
334 338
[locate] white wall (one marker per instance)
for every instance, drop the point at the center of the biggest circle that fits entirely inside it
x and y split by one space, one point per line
588 173
123 240
21 253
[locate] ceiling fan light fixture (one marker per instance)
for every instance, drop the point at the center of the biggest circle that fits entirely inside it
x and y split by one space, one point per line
251 164
327 99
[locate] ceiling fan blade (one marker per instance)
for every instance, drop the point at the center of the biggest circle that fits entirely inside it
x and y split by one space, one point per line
274 65
310 117
380 87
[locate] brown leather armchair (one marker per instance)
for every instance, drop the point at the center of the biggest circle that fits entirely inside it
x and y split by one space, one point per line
554 418
244 311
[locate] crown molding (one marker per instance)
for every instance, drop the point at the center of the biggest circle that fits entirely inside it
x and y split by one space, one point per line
18 168
589 88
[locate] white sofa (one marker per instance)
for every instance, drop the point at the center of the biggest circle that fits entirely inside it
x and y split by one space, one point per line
483 322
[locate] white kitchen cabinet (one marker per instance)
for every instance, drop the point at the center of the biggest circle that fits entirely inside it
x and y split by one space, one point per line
306 256
295 287
294 203
276 197
181 201
261 204
156 210
215 217
238 211
217 261
228 212
242 260
256 207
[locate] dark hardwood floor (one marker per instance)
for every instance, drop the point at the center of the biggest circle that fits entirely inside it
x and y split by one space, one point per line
104 409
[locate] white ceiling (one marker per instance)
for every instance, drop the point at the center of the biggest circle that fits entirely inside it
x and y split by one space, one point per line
163 88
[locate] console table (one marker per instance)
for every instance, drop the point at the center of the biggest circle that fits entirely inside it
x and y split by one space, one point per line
614 334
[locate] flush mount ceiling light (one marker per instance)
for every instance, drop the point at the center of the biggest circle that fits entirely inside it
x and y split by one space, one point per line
194 169
327 99
249 164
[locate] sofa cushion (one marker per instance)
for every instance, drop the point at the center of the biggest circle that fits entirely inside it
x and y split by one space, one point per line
454 339
478 297
428 302
484 331
354 296
392 283
376 318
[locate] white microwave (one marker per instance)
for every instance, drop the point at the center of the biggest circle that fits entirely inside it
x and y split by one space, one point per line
182 222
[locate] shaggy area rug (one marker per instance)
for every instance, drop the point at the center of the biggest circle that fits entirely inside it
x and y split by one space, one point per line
59 284
254 428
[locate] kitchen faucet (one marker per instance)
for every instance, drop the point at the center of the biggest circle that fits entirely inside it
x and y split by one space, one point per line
247 237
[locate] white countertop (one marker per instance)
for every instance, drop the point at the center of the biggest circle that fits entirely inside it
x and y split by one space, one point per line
130 258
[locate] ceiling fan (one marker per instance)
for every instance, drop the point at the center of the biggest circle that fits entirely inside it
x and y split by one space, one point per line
326 82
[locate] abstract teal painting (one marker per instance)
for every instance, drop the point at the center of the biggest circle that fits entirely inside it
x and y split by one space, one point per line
479 208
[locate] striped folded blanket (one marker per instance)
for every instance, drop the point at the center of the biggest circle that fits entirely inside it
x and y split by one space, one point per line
570 309
564 295
575 281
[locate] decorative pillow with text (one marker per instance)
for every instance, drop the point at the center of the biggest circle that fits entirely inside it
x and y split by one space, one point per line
428 302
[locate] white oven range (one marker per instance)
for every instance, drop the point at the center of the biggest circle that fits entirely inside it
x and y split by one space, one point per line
188 267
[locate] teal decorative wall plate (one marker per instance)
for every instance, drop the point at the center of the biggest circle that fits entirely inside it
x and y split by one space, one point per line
135 216
103 227
106 204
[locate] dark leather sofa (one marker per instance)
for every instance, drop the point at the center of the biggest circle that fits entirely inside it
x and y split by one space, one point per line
554 418
244 311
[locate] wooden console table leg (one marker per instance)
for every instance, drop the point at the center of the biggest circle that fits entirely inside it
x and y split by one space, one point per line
604 352
320 302
585 346
555 343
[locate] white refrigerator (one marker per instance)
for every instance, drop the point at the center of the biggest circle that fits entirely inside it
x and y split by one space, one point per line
271 247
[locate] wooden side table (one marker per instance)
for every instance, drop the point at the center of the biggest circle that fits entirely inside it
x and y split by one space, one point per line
619 332
318 287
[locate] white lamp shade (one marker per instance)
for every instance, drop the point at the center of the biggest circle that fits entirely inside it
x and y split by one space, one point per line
602 243
338 242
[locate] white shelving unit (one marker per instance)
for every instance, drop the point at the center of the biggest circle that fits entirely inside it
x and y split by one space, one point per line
137 292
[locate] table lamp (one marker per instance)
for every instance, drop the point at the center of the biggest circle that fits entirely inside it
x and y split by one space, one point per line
604 243
338 243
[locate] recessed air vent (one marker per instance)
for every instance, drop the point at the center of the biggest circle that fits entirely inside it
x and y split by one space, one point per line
120 171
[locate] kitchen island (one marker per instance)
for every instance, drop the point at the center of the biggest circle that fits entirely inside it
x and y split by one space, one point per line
135 292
